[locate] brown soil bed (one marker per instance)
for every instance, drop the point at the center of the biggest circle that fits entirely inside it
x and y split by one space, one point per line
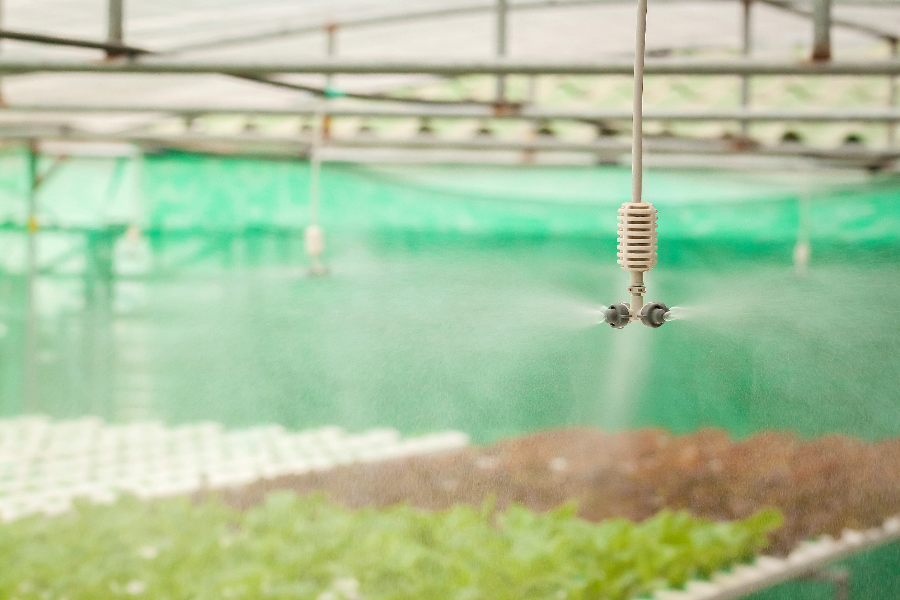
822 485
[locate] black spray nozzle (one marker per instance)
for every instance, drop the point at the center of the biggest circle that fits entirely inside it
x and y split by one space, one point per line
654 314
617 315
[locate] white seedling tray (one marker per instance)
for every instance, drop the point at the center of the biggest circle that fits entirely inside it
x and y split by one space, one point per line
44 465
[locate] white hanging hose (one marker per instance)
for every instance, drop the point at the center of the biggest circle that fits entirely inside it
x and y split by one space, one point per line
637 148
315 164
637 219
313 238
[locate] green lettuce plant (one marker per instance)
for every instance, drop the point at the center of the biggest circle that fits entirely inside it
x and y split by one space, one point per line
307 547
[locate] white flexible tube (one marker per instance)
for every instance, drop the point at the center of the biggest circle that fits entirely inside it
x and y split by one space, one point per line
637 219
637 134
313 238
315 163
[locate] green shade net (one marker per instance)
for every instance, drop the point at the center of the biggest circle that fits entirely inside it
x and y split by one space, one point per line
462 297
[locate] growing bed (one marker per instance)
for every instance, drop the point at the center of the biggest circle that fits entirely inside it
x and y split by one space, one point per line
574 513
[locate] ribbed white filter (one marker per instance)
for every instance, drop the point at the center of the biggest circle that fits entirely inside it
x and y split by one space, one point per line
637 236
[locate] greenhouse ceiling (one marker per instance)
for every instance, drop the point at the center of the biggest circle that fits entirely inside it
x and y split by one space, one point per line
722 77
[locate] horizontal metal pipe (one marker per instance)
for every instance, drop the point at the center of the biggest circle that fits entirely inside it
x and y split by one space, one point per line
300 144
115 50
451 69
115 47
872 115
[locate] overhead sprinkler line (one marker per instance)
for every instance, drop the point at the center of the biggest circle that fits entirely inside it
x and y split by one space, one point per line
637 129
313 237
637 219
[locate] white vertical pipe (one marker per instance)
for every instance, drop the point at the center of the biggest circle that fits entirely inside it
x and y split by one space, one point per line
637 148
315 165
637 299
312 236
31 333
138 210
746 48
802 248
502 12
320 126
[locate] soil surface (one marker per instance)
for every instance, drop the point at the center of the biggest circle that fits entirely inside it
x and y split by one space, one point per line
823 485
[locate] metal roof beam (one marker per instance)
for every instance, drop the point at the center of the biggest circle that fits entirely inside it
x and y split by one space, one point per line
872 115
111 48
669 66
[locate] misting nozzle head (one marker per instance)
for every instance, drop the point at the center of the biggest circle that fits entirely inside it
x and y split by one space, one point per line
653 314
637 236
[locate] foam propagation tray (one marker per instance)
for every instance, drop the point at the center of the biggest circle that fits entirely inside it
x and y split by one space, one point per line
44 465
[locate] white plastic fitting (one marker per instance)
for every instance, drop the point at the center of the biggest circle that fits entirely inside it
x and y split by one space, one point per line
637 236
314 240
637 248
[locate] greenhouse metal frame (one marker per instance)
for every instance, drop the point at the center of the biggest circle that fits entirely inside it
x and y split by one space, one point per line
121 57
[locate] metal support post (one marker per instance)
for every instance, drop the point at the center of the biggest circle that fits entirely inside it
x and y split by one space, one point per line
29 386
746 48
331 50
115 30
502 10
821 30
